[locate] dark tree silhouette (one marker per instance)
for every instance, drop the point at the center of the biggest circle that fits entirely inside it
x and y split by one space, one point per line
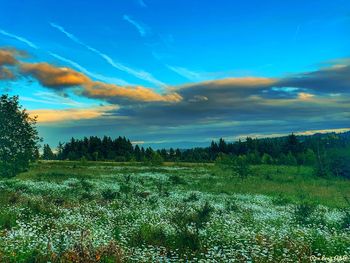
47 153
18 137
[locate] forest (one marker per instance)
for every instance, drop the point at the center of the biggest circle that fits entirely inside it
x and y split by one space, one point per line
328 152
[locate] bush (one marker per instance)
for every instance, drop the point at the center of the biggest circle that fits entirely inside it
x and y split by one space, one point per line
237 165
155 159
176 179
149 235
188 224
7 220
303 212
109 194
339 163
281 199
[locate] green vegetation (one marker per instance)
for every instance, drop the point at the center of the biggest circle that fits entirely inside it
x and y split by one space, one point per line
81 211
18 137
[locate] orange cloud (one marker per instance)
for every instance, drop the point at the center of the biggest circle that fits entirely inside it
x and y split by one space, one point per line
56 77
53 116
235 83
52 76
5 73
7 57
305 96
139 93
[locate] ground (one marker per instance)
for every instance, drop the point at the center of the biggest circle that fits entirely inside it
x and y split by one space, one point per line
115 212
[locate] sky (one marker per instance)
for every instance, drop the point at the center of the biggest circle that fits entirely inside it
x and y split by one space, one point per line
178 73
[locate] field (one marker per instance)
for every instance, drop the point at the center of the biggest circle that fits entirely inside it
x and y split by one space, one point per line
110 212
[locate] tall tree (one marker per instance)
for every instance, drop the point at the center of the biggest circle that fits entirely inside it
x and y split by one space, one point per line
47 153
18 137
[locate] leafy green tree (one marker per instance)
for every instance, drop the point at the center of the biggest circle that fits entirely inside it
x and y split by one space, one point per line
156 159
267 159
321 165
18 137
291 160
339 163
309 157
241 167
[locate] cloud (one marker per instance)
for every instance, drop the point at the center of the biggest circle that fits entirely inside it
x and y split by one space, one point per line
8 59
140 74
141 28
141 3
52 98
111 92
316 100
73 114
6 74
89 73
52 76
8 56
305 96
186 73
60 78
331 79
18 38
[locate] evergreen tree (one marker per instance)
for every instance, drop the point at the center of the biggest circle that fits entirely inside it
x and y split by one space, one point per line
47 153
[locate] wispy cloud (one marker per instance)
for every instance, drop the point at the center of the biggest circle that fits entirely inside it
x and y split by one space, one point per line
141 3
186 73
140 74
89 73
19 38
52 99
141 28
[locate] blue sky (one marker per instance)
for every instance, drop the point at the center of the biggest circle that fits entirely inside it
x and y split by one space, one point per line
171 47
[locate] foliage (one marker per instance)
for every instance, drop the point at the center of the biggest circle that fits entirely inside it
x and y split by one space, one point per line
303 212
208 219
47 153
18 137
339 163
239 165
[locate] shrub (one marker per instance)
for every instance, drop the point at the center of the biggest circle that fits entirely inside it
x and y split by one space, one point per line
7 220
303 212
188 224
150 235
109 194
339 163
155 159
281 199
176 179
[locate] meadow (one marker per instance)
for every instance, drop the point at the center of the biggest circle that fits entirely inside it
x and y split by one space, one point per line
62 211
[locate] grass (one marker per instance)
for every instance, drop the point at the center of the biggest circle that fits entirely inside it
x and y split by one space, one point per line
129 212
289 182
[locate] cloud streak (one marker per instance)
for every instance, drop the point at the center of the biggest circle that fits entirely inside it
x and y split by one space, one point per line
19 38
140 28
72 114
186 73
140 74
89 73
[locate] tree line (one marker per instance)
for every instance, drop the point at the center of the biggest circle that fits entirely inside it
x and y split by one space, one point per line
316 150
